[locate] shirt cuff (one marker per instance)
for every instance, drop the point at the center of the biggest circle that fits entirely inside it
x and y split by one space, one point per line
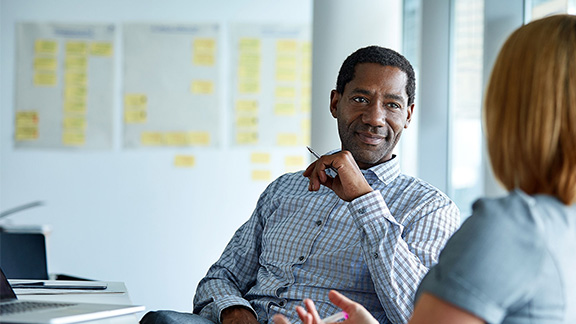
230 301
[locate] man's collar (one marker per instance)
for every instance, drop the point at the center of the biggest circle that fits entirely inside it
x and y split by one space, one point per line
386 171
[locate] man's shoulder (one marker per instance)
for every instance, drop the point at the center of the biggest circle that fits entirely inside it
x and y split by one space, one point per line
417 187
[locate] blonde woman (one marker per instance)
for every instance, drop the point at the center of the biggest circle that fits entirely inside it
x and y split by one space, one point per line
514 259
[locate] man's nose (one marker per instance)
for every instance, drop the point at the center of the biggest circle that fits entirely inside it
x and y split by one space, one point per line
374 115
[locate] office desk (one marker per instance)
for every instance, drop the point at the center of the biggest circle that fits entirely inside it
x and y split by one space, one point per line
115 293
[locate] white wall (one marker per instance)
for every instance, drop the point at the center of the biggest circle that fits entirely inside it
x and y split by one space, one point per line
129 215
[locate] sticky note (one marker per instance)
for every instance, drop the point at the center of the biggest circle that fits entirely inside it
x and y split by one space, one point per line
101 49
261 175
247 121
246 138
249 86
75 91
287 139
284 109
73 138
285 74
202 87
76 48
75 78
260 157
176 139
73 105
203 59
199 138
250 106
151 138
49 79
78 123
44 46
26 133
204 51
184 161
205 45
76 63
135 116
45 63
28 118
286 62
286 45
135 100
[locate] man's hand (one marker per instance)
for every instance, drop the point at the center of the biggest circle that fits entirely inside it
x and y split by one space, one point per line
348 184
238 315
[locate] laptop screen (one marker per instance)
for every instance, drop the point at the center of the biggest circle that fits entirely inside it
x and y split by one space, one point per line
6 292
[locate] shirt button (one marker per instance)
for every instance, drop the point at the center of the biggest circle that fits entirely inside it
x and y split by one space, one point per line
318 222
301 258
282 303
362 210
375 255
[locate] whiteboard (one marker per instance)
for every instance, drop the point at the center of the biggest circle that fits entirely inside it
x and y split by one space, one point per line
154 218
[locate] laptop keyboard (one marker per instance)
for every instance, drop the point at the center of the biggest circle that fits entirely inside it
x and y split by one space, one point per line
27 306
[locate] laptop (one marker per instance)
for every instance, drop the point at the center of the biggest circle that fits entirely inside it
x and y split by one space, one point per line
13 310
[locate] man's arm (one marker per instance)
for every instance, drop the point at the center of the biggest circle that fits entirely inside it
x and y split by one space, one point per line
233 274
397 257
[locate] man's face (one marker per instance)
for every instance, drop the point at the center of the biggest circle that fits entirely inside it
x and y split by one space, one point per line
372 112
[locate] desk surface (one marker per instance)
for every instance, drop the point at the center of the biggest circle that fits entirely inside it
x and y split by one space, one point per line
115 293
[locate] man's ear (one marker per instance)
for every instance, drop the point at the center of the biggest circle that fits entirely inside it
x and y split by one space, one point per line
409 111
334 99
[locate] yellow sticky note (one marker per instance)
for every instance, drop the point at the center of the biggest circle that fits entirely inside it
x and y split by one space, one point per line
26 118
74 105
45 46
78 123
249 45
249 71
45 63
101 49
261 175
285 74
248 106
247 121
73 138
26 133
75 78
294 161
204 59
76 48
249 60
250 86
306 106
199 138
135 116
286 45
76 63
135 100
287 139
202 87
184 161
72 91
205 45
285 92
284 109
286 62
49 79
246 138
151 138
176 139
260 157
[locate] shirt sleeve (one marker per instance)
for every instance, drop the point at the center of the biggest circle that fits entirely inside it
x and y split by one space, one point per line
398 257
235 272
490 265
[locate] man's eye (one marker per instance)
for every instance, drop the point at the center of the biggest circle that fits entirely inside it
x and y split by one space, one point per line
393 105
360 99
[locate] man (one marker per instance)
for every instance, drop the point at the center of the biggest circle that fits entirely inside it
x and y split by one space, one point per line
351 221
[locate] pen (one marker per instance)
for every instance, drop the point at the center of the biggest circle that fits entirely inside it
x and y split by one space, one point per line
336 317
318 156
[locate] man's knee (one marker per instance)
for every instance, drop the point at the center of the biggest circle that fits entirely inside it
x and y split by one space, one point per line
172 317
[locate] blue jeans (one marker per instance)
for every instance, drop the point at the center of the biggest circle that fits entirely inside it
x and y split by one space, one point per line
172 317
